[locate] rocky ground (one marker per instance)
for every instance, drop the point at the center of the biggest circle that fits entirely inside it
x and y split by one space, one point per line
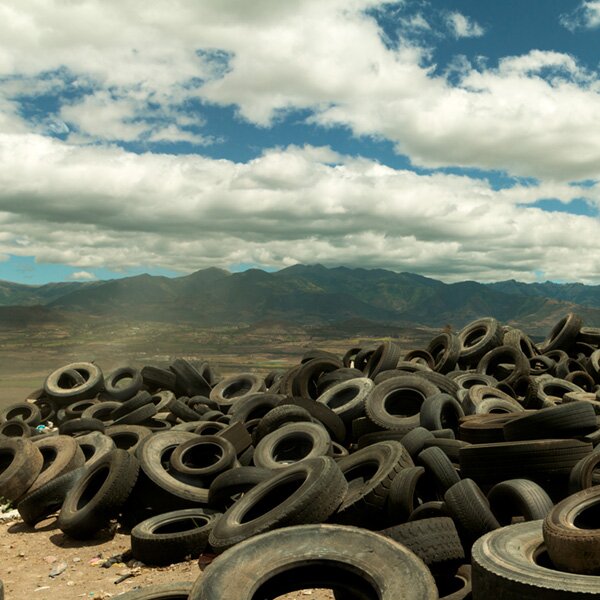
41 563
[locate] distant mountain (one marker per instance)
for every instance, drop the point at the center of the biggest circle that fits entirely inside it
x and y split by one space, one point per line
306 294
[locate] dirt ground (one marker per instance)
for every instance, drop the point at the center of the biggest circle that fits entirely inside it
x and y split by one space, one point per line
28 556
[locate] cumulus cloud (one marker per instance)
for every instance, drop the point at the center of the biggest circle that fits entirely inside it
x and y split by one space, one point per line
462 27
105 207
82 276
585 16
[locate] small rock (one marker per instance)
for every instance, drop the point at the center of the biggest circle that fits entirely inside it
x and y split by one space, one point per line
50 559
76 559
58 569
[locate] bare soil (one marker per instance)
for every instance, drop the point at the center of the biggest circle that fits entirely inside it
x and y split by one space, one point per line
28 556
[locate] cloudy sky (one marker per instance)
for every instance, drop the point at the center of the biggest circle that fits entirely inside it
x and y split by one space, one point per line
458 139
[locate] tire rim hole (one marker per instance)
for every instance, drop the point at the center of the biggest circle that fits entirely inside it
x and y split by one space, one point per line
202 455
271 500
403 403
92 486
292 448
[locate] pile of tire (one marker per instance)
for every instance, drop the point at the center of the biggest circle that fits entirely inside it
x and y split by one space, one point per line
466 469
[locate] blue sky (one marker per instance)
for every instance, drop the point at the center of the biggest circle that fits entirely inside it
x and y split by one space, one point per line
456 139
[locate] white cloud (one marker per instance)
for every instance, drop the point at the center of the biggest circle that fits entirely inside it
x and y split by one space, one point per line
98 207
82 276
534 115
585 16
462 27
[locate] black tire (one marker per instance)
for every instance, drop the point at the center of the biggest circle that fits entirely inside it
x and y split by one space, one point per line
123 392
188 379
61 454
164 490
254 406
277 417
15 429
81 426
292 443
101 411
492 364
20 464
420 357
172 537
127 437
305 381
139 416
228 485
233 389
183 412
571 533
155 378
479 393
36 506
563 335
307 492
396 402
445 349
369 473
519 498
511 563
292 559
140 399
26 412
347 399
202 459
582 475
332 422
386 356
435 541
98 496
441 411
162 591
408 490
64 388
470 509
565 421
414 441
94 445
429 510
477 338
537 460
449 447
439 468
545 391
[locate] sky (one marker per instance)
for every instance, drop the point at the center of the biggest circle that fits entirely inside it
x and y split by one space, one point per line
457 139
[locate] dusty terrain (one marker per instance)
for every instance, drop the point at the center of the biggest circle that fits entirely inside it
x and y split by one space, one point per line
28 556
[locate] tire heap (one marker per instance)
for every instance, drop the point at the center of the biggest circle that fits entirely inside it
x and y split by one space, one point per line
466 469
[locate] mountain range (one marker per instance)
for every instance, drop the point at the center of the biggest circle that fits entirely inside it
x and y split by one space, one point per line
304 294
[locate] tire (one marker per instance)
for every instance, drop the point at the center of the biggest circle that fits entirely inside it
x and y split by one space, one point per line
457 586
171 537
233 389
163 591
138 416
491 364
441 411
395 403
445 349
292 443
420 357
21 463
386 356
164 490
563 335
485 429
429 510
545 391
202 459
155 378
520 341
435 541
292 559
254 406
334 377
347 399
582 474
571 534
94 445
15 429
81 426
470 510
127 437
565 421
47 499
98 496
477 338
511 563
123 392
140 399
228 485
408 490
449 447
537 460
61 454
480 393
439 468
183 412
101 411
305 382
334 425
188 380
519 498
63 388
22 411
414 441
369 473
307 492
